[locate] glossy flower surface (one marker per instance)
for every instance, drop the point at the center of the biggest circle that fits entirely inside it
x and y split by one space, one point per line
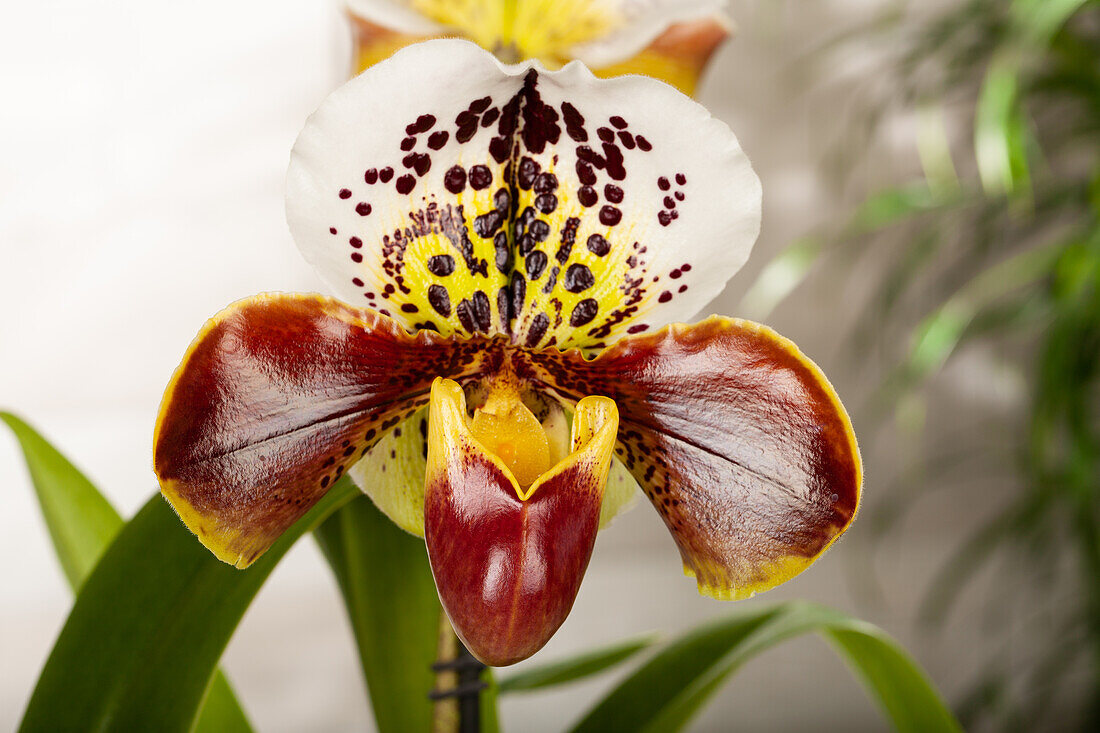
508 244
671 40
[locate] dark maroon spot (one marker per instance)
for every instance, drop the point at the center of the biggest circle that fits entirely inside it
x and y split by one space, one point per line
357 282
618 122
504 296
546 183
356 257
419 162
664 297
332 230
488 223
669 202
615 167
455 179
663 183
408 144
500 148
466 132
675 274
519 292
574 123
355 242
643 144
610 216
503 252
681 179
345 193
519 225
438 139
682 288
441 265
546 203
585 173
538 329
664 217
480 177
588 155
362 208
409 308
490 117
539 230
423 123
587 196
606 134
324 481
405 184
371 176
626 139
584 312
440 300
483 313
536 264
679 195
638 328
502 200
480 105
685 267
526 243
528 170
613 193
385 174
674 214
568 238
578 278
598 245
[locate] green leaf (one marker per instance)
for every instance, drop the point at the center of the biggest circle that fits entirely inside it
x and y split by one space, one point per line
666 692
140 646
391 601
80 521
998 128
82 524
576 667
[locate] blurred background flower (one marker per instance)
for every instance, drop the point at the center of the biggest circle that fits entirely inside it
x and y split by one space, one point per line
929 238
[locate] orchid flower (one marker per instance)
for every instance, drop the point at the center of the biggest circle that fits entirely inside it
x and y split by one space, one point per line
508 244
671 40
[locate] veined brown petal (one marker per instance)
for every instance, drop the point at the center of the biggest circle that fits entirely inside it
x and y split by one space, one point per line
276 397
508 562
737 438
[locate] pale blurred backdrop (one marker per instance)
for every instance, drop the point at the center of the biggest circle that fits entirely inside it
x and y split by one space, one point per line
141 190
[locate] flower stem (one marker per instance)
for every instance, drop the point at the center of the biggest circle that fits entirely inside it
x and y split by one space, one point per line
458 685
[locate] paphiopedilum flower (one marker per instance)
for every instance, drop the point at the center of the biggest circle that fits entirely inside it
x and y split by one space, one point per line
671 40
508 243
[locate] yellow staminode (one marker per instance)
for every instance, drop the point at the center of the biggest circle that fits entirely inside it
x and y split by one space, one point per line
542 29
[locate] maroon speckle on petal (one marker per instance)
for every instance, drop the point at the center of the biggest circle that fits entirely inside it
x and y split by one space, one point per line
643 144
356 257
613 193
405 184
681 179
371 176
664 297
408 144
610 216
438 139
385 174
332 230
357 282
455 179
345 193
356 242
587 196
480 105
362 208
618 122
663 183
480 177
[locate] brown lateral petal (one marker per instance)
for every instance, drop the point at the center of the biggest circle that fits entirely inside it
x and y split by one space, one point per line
508 570
274 400
737 438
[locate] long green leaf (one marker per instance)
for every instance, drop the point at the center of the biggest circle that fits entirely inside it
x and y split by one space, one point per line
142 641
82 524
577 667
391 601
80 520
667 691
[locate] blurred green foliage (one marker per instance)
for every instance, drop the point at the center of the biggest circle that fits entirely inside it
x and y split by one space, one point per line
993 252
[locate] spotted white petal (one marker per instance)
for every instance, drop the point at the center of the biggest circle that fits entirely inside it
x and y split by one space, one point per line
638 23
552 208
